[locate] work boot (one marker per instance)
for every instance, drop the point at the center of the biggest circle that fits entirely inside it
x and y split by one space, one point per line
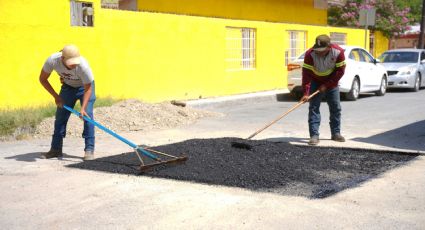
88 156
314 140
52 153
338 137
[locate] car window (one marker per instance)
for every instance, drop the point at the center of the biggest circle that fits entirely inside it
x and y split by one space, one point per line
361 56
354 55
366 56
422 56
357 55
400 57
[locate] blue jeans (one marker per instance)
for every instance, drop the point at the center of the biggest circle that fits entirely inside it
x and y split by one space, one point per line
70 95
333 99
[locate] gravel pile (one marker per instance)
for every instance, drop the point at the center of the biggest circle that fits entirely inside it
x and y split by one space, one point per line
131 115
314 172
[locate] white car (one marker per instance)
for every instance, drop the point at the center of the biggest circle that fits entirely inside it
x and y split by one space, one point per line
405 68
363 74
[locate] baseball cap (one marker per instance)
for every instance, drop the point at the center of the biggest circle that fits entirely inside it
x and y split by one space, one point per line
71 55
322 42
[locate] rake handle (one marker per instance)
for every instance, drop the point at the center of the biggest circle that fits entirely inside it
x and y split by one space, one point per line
283 115
112 133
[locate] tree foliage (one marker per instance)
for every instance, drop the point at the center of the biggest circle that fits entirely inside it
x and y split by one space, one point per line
415 7
392 17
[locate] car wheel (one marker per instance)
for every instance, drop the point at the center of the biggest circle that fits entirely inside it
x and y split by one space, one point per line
417 84
354 91
383 88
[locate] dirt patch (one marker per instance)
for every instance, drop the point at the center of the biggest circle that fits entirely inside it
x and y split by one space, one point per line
131 115
314 172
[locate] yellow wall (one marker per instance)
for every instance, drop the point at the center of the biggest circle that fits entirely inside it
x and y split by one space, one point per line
381 44
150 56
294 11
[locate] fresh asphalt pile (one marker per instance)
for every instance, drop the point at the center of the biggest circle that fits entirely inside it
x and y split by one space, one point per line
278 167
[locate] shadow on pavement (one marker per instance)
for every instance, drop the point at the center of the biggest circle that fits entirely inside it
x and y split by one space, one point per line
28 157
409 137
269 166
400 90
288 97
33 157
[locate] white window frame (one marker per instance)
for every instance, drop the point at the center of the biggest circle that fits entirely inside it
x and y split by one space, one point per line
339 38
82 13
119 4
240 48
295 49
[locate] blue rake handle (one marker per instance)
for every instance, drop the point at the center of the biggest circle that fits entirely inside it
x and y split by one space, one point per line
134 146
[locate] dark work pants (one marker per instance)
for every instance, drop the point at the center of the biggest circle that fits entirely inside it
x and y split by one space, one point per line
70 95
314 118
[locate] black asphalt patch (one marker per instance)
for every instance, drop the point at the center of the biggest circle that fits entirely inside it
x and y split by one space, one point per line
278 167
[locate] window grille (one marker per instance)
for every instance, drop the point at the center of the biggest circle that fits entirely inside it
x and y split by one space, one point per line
339 38
119 4
109 4
297 45
240 48
81 13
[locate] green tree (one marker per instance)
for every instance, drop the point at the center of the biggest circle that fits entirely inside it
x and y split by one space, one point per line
392 18
415 7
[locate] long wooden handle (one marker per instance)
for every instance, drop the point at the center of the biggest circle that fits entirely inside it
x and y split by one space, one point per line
283 115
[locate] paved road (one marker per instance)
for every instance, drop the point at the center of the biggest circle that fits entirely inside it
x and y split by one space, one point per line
37 193
396 120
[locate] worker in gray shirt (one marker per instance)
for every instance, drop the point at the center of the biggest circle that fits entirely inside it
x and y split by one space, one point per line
77 84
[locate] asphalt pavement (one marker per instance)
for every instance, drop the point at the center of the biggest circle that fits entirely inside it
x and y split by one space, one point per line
67 193
394 121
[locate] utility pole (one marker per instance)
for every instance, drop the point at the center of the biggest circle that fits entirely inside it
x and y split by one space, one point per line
421 34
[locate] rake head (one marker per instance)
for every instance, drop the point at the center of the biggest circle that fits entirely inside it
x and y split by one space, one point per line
153 157
177 160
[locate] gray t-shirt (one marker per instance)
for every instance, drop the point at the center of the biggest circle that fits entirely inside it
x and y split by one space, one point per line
76 77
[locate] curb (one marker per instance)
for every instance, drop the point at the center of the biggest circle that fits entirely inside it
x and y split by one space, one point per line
250 97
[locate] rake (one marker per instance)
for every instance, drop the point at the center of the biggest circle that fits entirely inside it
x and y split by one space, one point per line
139 151
249 147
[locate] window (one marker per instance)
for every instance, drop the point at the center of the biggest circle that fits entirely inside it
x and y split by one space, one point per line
321 4
240 48
81 13
119 4
355 55
361 55
297 45
110 4
366 56
339 38
400 57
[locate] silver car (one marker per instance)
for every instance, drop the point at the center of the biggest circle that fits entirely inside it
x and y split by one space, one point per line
405 68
